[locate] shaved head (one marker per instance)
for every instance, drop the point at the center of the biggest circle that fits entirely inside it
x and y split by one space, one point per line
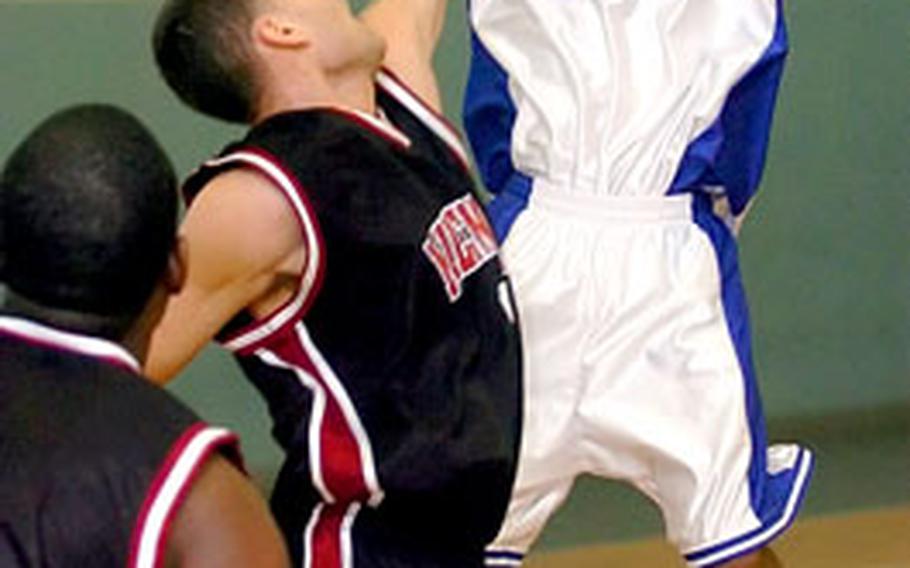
88 216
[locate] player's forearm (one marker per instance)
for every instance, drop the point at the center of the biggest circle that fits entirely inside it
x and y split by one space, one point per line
418 22
429 19
189 323
169 353
411 29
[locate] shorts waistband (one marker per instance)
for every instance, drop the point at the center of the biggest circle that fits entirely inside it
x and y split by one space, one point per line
549 197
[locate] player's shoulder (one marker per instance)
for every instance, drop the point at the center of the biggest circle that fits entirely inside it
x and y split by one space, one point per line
245 199
241 221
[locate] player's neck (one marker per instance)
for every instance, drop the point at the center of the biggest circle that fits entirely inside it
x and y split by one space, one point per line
352 88
356 90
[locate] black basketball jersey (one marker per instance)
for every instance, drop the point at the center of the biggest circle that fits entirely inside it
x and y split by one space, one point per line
393 375
94 461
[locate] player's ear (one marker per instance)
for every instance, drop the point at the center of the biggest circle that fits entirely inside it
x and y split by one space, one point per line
175 275
279 31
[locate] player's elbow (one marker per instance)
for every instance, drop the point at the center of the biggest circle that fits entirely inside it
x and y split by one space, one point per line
158 371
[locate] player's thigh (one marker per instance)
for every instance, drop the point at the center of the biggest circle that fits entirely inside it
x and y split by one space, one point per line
665 406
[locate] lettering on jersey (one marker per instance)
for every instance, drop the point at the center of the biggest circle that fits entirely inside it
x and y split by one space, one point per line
459 242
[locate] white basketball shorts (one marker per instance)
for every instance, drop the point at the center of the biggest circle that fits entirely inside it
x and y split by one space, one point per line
638 368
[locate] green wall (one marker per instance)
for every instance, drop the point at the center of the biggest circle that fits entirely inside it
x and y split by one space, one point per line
826 253
825 249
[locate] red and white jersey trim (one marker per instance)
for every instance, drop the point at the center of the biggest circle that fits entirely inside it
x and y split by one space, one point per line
328 390
41 334
309 279
340 396
378 123
317 414
169 489
327 538
433 120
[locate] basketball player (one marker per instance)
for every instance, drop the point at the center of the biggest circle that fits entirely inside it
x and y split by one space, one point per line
339 250
97 466
606 130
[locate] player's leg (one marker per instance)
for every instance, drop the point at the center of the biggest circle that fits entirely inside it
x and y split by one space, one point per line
777 475
675 399
546 294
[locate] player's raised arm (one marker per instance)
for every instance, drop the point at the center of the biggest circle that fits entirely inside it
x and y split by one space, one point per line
242 250
411 29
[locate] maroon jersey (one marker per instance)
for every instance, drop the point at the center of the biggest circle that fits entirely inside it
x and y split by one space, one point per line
94 460
393 374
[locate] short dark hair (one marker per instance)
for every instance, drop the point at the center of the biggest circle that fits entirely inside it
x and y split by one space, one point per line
202 48
88 214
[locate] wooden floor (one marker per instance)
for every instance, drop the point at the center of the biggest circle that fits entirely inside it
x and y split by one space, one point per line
869 539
